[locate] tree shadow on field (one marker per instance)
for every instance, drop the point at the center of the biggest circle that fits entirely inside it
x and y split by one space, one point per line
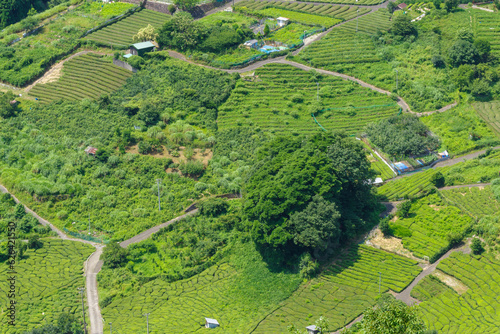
277 260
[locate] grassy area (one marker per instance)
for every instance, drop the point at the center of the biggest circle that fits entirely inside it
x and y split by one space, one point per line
429 222
298 17
46 285
472 311
489 111
352 2
249 104
120 33
228 18
290 34
475 201
455 126
86 76
343 291
27 59
341 12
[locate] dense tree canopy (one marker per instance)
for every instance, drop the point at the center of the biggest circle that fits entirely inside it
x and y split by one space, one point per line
401 135
393 317
402 26
463 52
310 192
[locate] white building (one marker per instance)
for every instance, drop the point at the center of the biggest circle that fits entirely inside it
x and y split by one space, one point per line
211 323
282 21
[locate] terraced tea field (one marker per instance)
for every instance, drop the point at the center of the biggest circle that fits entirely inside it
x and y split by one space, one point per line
341 294
425 231
412 186
86 76
473 311
476 201
120 34
487 26
299 17
272 103
46 285
344 291
344 46
341 12
377 164
490 112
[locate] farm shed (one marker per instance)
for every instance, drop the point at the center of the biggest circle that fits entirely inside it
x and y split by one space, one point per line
312 329
139 49
211 323
251 44
91 150
401 6
282 21
444 154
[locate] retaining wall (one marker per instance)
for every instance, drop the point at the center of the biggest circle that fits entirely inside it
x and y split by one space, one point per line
124 65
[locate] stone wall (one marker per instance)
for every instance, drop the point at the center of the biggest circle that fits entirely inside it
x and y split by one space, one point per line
124 65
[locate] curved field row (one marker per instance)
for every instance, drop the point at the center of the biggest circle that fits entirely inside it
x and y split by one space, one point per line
341 12
46 284
476 201
489 111
271 102
121 32
424 232
86 76
473 311
344 291
412 186
487 27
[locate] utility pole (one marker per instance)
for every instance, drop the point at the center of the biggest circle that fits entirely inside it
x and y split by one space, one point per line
158 184
110 328
81 290
147 320
396 80
317 91
89 223
379 281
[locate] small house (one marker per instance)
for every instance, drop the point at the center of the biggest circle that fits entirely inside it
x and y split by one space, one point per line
251 44
401 6
91 150
139 49
211 323
282 21
312 329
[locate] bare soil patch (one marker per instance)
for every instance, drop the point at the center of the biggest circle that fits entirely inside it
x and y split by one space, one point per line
451 281
200 154
391 244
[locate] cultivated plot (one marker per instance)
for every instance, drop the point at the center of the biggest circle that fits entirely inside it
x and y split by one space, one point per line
46 284
120 33
86 76
272 102
473 311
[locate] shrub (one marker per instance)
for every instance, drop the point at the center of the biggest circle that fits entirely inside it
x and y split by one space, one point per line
136 62
404 209
454 238
192 168
213 207
114 255
438 180
308 267
384 227
62 215
477 246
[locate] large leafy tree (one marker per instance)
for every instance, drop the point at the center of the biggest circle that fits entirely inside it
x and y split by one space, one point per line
181 32
463 52
309 192
393 317
402 26
317 226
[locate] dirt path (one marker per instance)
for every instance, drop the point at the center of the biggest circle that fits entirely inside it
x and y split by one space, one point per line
146 234
466 186
405 296
390 207
451 162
